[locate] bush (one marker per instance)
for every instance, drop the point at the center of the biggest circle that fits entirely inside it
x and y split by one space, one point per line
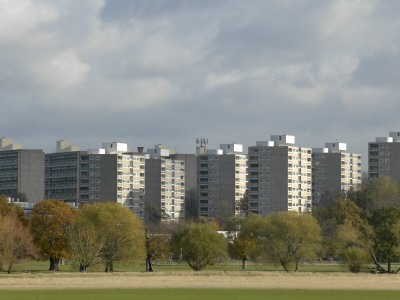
355 259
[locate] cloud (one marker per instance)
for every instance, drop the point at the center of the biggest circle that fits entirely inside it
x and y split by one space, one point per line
19 18
145 71
62 71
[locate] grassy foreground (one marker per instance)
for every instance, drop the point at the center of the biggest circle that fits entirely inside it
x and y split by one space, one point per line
72 266
177 294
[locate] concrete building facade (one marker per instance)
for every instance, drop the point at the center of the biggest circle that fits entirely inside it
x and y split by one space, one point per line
165 183
279 176
384 157
97 175
21 171
221 181
335 172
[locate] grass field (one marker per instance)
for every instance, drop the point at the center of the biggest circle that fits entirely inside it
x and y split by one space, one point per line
72 266
215 294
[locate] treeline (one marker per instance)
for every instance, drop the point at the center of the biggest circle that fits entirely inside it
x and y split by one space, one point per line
361 228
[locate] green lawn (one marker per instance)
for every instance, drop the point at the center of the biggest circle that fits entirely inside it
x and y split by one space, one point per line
177 294
72 266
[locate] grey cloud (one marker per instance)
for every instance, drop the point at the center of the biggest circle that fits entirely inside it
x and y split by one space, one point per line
226 70
380 69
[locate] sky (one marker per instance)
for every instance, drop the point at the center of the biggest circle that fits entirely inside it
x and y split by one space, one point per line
146 72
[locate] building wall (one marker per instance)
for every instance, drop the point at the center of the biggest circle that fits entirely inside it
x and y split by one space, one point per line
31 174
334 174
22 171
63 176
191 193
279 179
165 186
221 184
384 160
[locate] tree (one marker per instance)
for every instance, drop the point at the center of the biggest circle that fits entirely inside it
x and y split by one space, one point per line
291 238
244 206
121 232
355 258
12 209
242 244
49 221
361 198
84 241
15 241
241 248
343 211
200 245
384 192
378 235
385 222
153 215
191 205
157 247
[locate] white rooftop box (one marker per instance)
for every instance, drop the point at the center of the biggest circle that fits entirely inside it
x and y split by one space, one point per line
115 147
232 148
283 139
158 152
96 151
336 146
320 150
395 135
215 151
384 139
265 143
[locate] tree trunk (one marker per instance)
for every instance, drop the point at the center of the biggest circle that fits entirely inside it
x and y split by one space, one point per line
243 264
9 268
54 264
149 265
108 266
82 268
389 267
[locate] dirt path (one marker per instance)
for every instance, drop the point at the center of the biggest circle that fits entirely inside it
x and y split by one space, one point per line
240 280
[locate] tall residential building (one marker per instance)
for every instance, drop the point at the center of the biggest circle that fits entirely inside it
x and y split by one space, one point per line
384 157
191 194
21 171
96 175
165 183
279 176
221 181
335 172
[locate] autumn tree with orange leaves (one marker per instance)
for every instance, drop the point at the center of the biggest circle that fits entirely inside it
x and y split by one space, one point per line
49 221
15 241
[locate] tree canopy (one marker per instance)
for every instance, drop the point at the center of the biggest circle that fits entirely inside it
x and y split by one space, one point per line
49 221
200 245
121 232
291 238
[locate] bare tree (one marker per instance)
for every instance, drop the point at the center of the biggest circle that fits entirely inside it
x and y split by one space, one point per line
16 242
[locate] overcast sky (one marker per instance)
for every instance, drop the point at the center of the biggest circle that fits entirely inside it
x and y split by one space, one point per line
149 72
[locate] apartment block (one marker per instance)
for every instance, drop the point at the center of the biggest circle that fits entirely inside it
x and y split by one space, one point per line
165 183
106 174
335 172
384 157
21 171
221 181
191 193
279 176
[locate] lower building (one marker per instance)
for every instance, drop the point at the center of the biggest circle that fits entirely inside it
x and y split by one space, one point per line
21 172
165 187
221 181
335 172
279 176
